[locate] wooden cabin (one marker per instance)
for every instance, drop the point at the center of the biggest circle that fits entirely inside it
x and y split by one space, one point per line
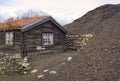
31 35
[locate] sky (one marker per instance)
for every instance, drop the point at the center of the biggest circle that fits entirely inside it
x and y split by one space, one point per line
64 11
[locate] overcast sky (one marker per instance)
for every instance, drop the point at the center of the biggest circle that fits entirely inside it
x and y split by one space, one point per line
64 11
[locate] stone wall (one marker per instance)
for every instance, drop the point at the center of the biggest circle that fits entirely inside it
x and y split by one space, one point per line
76 42
11 64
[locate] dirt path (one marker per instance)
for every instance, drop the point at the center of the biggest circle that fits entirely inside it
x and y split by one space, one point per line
50 62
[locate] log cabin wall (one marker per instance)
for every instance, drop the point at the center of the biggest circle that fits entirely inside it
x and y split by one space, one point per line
59 35
17 40
33 37
2 38
16 47
3 47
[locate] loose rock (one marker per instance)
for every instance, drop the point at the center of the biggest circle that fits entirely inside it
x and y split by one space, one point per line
45 70
53 72
34 71
40 76
69 58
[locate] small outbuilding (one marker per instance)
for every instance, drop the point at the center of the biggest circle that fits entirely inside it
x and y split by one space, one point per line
30 35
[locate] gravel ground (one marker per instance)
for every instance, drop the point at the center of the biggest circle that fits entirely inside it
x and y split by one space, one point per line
50 62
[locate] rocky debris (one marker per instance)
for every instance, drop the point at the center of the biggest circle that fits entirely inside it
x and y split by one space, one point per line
25 64
99 59
77 41
11 64
41 63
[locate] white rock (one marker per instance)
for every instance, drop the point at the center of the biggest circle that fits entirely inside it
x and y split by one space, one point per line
34 71
69 58
25 64
53 72
25 72
25 59
45 70
40 76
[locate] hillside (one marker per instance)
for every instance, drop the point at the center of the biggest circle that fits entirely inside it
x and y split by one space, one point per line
94 20
100 59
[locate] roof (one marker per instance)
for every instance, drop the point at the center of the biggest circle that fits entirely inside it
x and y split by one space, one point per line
18 23
25 24
40 21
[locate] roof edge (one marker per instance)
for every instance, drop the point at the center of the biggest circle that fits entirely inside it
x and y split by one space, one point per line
30 26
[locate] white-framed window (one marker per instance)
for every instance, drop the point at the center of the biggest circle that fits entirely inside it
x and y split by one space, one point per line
47 38
9 38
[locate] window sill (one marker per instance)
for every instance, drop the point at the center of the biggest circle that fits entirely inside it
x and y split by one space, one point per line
48 45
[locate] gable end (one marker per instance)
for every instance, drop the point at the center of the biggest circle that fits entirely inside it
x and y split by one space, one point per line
30 26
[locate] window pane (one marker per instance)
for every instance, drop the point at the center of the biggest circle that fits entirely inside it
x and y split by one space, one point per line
51 38
47 38
9 38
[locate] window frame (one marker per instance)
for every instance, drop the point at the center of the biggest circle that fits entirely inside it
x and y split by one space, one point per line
47 38
9 38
